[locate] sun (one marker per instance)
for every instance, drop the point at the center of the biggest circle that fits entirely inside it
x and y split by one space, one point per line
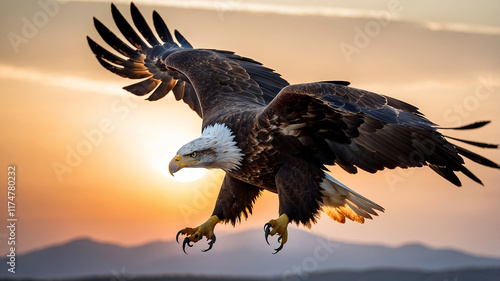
164 148
187 175
184 175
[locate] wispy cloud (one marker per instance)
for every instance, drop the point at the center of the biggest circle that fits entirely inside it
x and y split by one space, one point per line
306 10
252 7
65 81
462 27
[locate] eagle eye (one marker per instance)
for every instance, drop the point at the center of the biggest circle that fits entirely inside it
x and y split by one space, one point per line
193 154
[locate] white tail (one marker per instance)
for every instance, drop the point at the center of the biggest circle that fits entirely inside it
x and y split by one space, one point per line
340 202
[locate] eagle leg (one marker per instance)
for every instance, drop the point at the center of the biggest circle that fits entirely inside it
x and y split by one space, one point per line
195 234
278 226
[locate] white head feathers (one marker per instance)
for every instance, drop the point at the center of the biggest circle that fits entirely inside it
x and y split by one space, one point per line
216 148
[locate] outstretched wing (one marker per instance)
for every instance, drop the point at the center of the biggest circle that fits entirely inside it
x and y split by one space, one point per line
359 129
145 59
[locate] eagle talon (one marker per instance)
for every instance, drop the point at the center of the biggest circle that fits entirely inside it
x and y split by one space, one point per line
177 236
210 244
277 226
195 234
184 243
267 229
279 248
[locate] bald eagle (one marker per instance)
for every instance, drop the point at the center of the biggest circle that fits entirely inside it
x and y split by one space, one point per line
269 135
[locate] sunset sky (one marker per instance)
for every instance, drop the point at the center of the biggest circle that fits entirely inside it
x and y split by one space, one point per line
91 158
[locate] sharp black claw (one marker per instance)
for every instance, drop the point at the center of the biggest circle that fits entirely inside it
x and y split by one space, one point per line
210 244
184 243
267 229
177 236
278 249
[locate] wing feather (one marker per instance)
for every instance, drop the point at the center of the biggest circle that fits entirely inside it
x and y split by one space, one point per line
127 72
182 40
179 90
127 30
105 54
162 90
143 87
162 30
146 59
143 26
373 132
113 41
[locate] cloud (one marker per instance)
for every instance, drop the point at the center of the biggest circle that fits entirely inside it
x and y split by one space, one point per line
462 27
66 81
222 6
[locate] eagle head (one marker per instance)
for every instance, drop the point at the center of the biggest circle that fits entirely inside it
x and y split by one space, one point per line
215 149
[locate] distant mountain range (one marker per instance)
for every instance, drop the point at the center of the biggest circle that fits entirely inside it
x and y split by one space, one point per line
239 254
471 274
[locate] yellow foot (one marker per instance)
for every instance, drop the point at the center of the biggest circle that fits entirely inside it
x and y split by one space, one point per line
279 226
195 234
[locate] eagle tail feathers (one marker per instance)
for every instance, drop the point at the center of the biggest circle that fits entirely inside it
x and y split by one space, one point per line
341 202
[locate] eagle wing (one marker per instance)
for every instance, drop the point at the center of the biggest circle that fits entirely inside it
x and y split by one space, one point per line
144 58
339 124
355 128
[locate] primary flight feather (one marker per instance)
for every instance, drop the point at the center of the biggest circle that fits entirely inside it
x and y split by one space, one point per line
269 135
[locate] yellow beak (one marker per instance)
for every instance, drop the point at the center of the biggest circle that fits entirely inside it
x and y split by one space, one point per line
179 162
174 165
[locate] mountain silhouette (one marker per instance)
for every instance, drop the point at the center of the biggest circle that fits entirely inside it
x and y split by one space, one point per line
239 254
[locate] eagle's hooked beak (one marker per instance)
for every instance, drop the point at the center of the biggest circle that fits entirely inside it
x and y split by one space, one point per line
175 165
179 162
